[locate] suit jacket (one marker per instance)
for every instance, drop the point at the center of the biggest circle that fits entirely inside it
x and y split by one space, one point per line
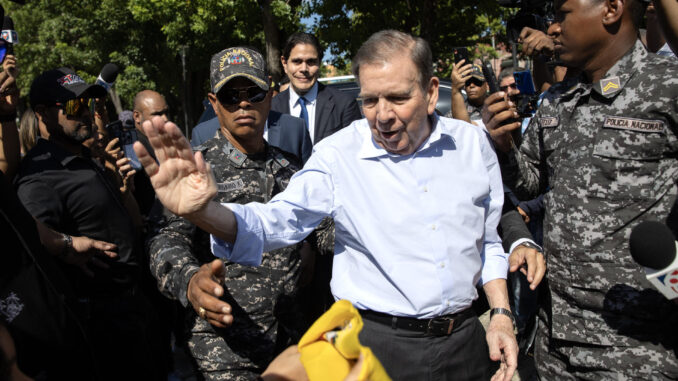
284 131
334 110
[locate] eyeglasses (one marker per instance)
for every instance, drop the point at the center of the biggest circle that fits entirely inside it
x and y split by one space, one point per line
474 81
75 107
505 88
252 94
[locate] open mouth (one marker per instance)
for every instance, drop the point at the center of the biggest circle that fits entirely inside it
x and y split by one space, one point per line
388 135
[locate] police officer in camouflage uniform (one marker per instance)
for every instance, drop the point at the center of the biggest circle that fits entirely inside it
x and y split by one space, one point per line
261 298
606 143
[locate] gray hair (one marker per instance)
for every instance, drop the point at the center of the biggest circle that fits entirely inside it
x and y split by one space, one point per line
386 44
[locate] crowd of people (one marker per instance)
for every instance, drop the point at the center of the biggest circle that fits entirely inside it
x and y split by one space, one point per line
126 244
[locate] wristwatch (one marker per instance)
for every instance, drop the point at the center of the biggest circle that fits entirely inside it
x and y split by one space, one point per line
504 311
68 244
532 246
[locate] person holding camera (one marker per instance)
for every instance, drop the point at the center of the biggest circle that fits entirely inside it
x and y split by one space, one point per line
604 143
470 78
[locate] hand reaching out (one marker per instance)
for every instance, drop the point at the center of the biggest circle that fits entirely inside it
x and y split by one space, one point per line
182 181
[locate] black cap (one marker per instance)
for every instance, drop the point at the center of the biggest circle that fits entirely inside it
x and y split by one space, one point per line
60 85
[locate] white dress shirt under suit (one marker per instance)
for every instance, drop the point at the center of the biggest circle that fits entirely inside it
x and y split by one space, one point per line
311 101
414 234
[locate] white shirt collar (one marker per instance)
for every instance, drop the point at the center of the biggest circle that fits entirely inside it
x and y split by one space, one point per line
310 96
370 149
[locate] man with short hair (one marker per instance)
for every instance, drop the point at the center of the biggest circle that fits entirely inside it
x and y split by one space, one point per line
147 104
247 169
324 109
604 144
416 200
63 187
507 82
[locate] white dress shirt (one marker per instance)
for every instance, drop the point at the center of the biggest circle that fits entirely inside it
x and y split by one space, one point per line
414 234
311 101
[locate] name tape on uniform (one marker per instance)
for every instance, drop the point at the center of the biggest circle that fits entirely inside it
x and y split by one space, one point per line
549 122
230 186
640 125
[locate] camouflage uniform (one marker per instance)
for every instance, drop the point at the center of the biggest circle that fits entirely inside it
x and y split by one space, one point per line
608 153
262 297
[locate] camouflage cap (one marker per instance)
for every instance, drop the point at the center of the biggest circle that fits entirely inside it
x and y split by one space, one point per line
477 72
238 62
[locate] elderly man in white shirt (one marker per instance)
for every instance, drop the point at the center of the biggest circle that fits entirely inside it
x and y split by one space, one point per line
416 200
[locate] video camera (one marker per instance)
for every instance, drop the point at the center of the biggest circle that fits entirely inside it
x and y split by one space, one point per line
534 14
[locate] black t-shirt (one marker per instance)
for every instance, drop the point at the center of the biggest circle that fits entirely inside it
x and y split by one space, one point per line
33 299
71 194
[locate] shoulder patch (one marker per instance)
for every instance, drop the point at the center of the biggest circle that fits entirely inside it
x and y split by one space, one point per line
280 158
640 125
549 122
229 186
609 85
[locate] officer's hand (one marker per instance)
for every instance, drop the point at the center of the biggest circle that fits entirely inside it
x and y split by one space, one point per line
530 262
499 115
503 346
205 289
535 42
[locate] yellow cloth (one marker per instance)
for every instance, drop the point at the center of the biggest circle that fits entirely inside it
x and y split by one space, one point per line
330 348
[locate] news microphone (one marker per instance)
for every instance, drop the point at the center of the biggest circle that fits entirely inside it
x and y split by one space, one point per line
653 246
8 32
108 75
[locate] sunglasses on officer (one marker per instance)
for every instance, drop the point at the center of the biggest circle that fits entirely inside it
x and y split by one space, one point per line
75 107
233 96
474 81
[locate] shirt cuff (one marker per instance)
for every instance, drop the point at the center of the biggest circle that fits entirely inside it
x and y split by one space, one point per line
521 240
249 242
495 265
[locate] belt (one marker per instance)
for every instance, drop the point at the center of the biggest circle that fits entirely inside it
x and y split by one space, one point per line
438 326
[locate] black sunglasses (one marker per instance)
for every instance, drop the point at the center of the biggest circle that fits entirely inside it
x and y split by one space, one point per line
505 88
474 81
252 94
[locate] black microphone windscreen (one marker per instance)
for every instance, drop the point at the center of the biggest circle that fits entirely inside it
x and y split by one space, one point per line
7 23
652 245
110 72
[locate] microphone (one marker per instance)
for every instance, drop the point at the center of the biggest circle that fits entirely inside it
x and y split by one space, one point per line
108 75
653 246
8 32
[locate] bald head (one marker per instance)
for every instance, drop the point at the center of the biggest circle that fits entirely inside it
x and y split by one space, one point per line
147 104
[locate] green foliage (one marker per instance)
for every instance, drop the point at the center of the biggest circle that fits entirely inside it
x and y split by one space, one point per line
144 37
445 24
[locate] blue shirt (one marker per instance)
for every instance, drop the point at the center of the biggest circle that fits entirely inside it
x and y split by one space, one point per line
414 234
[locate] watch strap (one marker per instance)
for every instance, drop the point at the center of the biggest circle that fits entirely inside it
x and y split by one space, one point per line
504 311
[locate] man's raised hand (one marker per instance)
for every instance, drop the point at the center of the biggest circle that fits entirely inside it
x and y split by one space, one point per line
182 181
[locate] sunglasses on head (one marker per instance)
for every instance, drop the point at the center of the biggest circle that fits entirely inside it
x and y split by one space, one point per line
75 107
505 88
474 81
252 94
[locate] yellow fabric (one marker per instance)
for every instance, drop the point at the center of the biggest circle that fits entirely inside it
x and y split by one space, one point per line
330 348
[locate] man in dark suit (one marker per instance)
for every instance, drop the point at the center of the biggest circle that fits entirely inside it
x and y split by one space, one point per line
283 131
324 109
